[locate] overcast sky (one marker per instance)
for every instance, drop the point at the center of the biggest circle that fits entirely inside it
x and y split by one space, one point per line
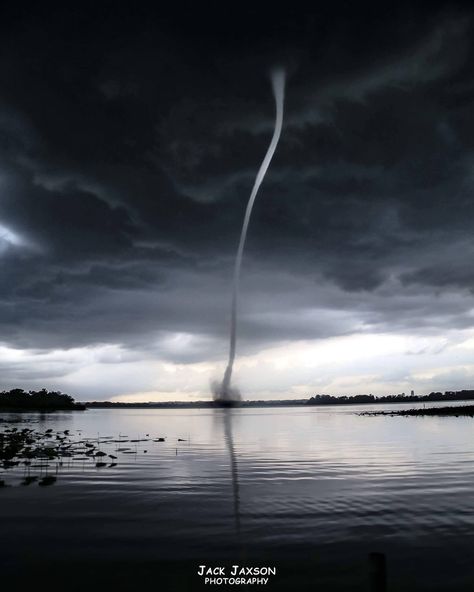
129 143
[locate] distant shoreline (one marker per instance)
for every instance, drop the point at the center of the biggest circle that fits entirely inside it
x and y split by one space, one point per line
18 401
323 401
190 404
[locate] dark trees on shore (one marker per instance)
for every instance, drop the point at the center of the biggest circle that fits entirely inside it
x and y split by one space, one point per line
465 395
19 399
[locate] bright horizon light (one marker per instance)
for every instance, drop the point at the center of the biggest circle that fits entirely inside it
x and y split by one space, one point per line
357 364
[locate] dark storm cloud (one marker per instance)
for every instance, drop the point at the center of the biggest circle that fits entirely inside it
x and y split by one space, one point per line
129 142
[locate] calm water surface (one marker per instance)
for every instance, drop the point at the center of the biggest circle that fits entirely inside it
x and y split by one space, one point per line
312 490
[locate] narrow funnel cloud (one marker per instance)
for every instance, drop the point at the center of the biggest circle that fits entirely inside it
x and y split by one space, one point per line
224 391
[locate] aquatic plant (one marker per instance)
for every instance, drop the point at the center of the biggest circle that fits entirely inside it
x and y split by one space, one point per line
37 456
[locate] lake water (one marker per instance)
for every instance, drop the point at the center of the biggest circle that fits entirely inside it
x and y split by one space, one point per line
311 491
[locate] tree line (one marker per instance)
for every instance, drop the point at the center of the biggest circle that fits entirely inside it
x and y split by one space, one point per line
20 399
464 395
